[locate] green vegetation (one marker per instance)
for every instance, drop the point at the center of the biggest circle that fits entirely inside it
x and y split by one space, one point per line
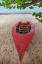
22 4
39 15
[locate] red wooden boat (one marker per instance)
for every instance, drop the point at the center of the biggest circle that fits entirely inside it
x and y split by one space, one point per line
22 34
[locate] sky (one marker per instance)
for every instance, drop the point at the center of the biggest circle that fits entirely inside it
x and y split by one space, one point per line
26 10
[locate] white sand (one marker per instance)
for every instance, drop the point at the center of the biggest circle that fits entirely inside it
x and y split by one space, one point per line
8 52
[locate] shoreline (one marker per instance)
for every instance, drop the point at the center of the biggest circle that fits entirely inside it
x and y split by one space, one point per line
13 13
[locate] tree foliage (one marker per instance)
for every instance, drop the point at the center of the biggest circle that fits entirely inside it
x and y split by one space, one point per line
39 15
22 4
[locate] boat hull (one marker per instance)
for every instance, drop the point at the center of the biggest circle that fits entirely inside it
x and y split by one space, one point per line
22 40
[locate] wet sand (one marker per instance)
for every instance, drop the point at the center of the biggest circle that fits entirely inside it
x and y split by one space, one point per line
8 52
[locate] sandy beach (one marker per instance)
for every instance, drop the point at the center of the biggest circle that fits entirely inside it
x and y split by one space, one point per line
8 52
